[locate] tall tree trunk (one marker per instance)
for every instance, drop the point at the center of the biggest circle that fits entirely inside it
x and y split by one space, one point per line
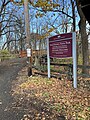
27 28
85 52
15 44
84 38
36 53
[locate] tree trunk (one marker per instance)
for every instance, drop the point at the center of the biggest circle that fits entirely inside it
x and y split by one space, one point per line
85 52
27 28
84 38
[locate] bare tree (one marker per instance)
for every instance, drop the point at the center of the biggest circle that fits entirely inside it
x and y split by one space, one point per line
11 22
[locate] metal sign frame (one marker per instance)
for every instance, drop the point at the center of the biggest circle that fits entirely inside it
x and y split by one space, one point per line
74 56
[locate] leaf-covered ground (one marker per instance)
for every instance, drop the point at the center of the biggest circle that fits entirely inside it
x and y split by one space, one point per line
51 99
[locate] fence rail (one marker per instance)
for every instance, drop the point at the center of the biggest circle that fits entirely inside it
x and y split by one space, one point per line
69 70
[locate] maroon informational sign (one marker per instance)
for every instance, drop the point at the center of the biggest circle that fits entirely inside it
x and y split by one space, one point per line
60 46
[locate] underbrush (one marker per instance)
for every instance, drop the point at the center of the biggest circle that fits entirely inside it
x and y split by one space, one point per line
5 55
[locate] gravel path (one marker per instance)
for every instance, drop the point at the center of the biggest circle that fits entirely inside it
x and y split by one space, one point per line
8 73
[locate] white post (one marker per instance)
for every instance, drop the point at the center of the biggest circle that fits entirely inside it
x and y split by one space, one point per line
48 58
74 60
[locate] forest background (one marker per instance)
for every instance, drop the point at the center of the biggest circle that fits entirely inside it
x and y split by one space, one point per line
47 18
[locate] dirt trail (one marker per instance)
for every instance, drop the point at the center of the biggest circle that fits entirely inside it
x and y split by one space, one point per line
8 72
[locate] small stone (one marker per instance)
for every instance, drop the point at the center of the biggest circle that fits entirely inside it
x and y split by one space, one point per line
25 116
43 118
61 117
5 110
0 103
